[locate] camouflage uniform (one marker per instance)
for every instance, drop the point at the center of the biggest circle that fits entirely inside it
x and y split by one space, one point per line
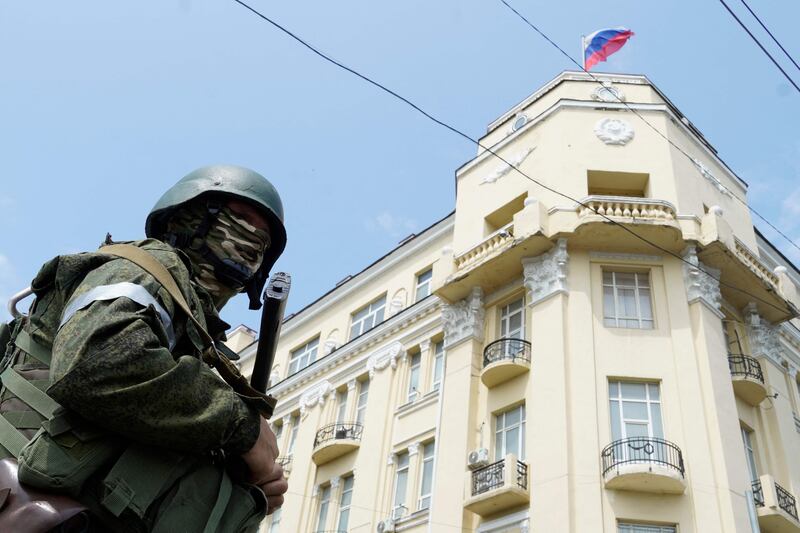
128 372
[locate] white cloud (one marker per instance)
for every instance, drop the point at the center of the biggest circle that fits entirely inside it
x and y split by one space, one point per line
393 225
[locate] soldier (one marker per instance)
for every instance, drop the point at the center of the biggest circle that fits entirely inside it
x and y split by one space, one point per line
134 425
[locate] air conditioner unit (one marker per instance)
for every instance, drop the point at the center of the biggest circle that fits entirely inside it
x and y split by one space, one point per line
385 526
478 458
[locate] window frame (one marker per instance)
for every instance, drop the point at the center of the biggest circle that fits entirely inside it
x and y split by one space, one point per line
750 453
501 451
295 421
505 316
427 283
345 507
371 314
324 503
645 528
424 501
638 289
414 374
437 375
304 350
361 407
405 470
620 400
341 406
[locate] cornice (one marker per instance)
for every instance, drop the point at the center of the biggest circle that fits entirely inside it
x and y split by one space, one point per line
567 103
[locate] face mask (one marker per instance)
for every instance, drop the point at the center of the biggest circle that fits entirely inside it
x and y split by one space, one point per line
236 245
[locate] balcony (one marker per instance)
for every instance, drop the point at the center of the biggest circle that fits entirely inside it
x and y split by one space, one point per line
505 359
748 379
335 440
497 487
776 507
644 464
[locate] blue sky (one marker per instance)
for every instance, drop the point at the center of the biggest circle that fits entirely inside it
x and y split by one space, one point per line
103 105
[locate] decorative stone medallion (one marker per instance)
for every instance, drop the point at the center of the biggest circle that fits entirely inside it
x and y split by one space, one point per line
384 358
515 161
702 282
316 394
614 131
608 93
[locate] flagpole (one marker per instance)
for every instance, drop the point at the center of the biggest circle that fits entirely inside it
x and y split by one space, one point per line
583 52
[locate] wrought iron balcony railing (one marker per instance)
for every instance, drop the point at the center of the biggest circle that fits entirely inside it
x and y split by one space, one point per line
492 477
745 366
338 431
639 450
786 501
507 349
758 493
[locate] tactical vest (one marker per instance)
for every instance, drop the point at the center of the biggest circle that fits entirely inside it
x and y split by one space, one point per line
127 486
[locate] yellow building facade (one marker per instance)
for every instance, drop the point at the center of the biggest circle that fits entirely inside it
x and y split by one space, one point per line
622 360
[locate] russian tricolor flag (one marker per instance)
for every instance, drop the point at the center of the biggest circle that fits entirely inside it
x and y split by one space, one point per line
602 43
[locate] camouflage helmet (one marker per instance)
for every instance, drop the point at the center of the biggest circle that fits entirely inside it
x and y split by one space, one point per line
234 182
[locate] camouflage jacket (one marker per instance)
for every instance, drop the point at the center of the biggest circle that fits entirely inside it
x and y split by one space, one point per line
125 367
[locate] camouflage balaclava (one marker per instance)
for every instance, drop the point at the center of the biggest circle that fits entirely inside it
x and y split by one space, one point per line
231 238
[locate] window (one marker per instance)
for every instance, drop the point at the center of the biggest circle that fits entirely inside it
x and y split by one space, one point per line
635 410
303 356
275 525
423 284
344 504
604 183
400 483
438 365
413 378
278 430
293 435
626 300
426 484
509 435
361 407
512 320
368 317
341 403
732 339
644 528
324 503
750 454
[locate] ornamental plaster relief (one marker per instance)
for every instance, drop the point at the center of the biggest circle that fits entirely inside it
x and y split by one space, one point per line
464 320
608 93
513 162
700 286
317 394
614 131
707 174
763 336
546 275
385 357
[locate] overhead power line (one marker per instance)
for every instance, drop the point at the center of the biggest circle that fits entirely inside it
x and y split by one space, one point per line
649 124
495 154
771 35
745 28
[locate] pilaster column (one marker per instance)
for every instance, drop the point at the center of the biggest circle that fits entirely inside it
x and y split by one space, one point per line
711 440
463 330
352 400
426 367
414 460
547 439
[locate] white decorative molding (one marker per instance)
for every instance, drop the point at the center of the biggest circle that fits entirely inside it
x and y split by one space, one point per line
351 385
315 491
274 377
715 210
335 482
316 394
425 346
707 174
505 168
413 449
546 274
608 93
619 256
464 320
764 336
391 459
793 372
614 131
385 357
702 282
286 421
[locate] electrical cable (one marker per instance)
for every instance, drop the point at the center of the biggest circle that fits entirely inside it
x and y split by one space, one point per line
771 35
495 154
651 126
745 28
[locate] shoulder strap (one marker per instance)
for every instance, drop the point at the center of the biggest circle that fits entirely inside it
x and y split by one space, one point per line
152 266
227 370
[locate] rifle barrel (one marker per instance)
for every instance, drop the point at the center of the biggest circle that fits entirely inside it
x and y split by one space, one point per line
275 296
